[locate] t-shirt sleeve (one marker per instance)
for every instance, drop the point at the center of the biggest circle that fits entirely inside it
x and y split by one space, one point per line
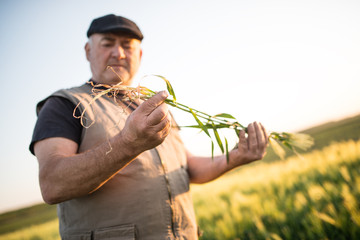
56 119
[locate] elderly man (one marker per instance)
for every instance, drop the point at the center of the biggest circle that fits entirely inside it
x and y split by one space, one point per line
126 176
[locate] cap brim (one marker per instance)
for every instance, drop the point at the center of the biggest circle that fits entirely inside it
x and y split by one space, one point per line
118 30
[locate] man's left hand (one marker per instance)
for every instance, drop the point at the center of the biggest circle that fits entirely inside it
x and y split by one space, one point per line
251 147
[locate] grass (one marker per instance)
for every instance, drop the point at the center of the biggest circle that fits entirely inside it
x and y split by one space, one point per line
324 134
18 219
310 198
43 231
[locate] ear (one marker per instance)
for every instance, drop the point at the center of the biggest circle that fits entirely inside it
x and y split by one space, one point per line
87 51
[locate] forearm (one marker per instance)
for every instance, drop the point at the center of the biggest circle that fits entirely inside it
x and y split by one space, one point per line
249 149
63 177
206 169
64 174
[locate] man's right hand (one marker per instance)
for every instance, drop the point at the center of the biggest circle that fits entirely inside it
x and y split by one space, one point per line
66 174
148 125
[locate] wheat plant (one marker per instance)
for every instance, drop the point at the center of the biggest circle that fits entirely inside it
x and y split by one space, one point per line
209 124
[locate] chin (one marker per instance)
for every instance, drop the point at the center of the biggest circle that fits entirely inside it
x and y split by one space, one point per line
111 78
114 80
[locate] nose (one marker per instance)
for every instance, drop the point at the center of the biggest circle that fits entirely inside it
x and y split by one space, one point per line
118 52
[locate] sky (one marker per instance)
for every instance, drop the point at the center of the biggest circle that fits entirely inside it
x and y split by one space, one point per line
288 64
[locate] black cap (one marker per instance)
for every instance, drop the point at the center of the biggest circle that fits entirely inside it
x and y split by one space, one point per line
114 24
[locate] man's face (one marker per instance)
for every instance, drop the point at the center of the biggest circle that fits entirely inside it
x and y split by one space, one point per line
120 52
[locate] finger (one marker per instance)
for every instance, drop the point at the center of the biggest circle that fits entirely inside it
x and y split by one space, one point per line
259 136
163 125
166 129
159 132
150 105
242 141
266 136
252 140
159 114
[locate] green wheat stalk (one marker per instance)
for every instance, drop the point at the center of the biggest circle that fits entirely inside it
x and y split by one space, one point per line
205 122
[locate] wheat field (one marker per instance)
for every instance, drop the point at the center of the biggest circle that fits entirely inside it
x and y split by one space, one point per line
314 196
311 197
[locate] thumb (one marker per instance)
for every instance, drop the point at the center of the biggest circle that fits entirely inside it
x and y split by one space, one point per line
152 103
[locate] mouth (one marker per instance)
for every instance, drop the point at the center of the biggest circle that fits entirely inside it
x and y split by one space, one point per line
116 65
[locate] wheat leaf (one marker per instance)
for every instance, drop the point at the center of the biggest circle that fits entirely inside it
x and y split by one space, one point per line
217 137
168 86
224 115
212 150
201 125
227 151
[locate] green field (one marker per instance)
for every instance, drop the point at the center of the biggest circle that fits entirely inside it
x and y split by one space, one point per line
325 134
313 197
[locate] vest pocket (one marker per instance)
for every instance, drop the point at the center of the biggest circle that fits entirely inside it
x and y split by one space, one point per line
121 232
78 236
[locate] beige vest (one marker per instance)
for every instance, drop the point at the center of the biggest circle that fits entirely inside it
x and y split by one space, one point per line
148 199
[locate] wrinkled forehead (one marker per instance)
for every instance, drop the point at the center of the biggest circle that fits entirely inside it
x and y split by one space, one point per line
114 37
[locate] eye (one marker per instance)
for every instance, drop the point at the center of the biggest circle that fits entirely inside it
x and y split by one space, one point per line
127 45
107 44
